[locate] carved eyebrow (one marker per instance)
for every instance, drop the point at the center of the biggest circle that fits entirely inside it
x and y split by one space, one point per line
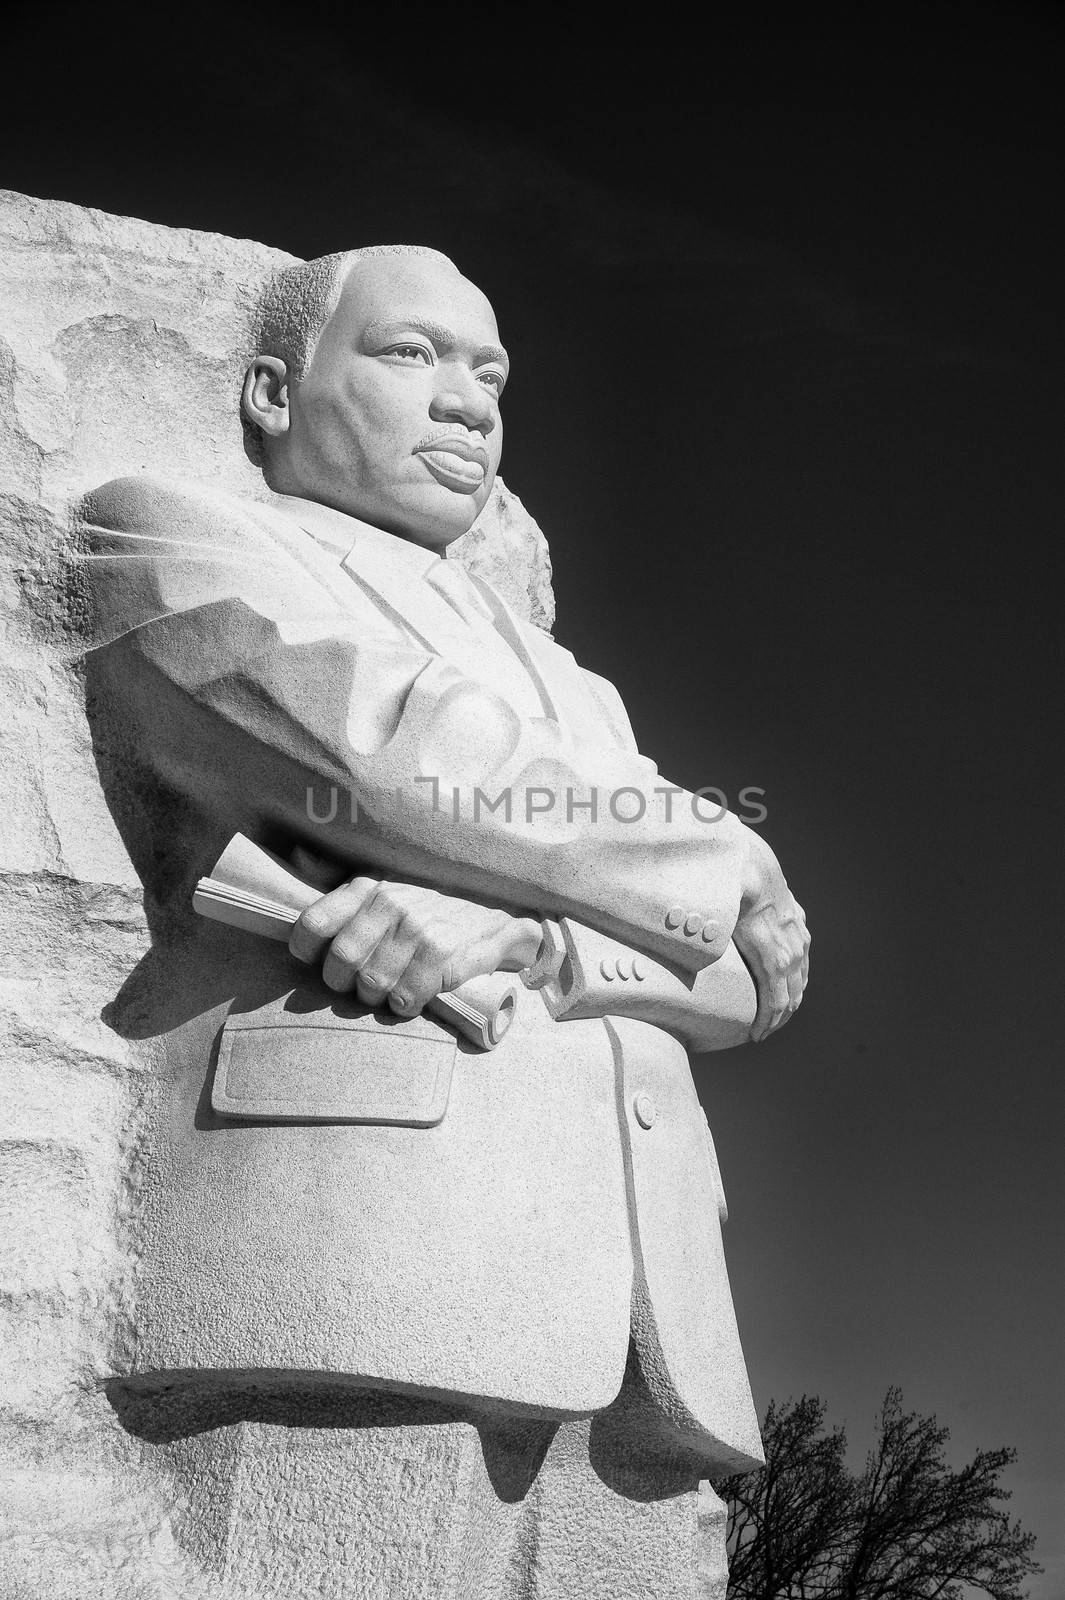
381 332
492 352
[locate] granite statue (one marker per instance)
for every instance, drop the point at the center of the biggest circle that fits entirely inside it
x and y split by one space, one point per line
467 1330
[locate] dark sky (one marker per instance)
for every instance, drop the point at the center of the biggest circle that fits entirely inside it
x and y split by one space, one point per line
784 302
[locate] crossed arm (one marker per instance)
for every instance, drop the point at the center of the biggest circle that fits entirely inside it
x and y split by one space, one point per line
401 944
241 673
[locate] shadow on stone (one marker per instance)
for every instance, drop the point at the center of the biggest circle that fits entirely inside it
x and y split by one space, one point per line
163 1408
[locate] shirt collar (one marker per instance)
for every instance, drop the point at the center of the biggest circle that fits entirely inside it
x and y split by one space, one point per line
342 534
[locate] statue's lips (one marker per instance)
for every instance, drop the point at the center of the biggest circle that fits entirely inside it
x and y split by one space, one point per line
456 464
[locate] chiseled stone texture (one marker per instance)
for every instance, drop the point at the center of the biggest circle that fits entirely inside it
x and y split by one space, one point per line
121 350
415 1501
711 1559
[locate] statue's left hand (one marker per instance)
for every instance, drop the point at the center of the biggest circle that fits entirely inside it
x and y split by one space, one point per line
772 937
403 943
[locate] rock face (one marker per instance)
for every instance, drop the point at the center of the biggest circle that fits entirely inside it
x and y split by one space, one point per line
122 346
711 1568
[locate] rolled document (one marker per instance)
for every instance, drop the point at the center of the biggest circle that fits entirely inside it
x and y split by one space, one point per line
253 889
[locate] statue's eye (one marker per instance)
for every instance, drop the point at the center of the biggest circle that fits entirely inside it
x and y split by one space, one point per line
410 352
492 380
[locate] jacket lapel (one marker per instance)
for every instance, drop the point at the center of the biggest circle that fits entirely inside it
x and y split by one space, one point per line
563 687
393 575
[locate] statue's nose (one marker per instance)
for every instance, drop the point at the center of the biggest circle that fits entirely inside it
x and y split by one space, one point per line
460 398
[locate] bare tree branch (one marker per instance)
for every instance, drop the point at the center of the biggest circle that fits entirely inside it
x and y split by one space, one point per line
906 1527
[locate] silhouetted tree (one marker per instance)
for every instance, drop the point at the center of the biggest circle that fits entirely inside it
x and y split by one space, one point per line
906 1528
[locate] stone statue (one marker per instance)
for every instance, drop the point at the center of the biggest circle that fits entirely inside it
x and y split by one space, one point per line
489 1348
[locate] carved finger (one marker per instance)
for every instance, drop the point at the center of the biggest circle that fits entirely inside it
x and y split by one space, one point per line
435 966
772 1003
341 967
383 973
413 989
771 1023
352 960
448 957
350 953
323 920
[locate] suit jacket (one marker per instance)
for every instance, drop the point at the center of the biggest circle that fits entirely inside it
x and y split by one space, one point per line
286 671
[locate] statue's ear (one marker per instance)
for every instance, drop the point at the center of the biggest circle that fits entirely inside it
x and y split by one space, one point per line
265 396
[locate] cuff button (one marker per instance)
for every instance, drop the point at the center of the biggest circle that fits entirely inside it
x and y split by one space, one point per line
674 917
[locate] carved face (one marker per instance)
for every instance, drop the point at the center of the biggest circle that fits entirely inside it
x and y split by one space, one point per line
397 419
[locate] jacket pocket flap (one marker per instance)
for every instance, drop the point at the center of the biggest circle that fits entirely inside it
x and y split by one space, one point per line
323 1066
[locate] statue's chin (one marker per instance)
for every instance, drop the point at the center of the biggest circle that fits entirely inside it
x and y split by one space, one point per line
433 534
427 509
432 520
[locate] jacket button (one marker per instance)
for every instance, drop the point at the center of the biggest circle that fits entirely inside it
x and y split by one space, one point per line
607 970
622 966
645 1109
674 916
693 922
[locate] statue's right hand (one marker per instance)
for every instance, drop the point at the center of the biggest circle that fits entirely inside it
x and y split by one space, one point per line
404 943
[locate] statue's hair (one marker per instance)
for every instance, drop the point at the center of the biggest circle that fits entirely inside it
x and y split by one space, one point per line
299 301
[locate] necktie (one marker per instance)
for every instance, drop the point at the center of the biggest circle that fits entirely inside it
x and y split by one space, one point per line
514 666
